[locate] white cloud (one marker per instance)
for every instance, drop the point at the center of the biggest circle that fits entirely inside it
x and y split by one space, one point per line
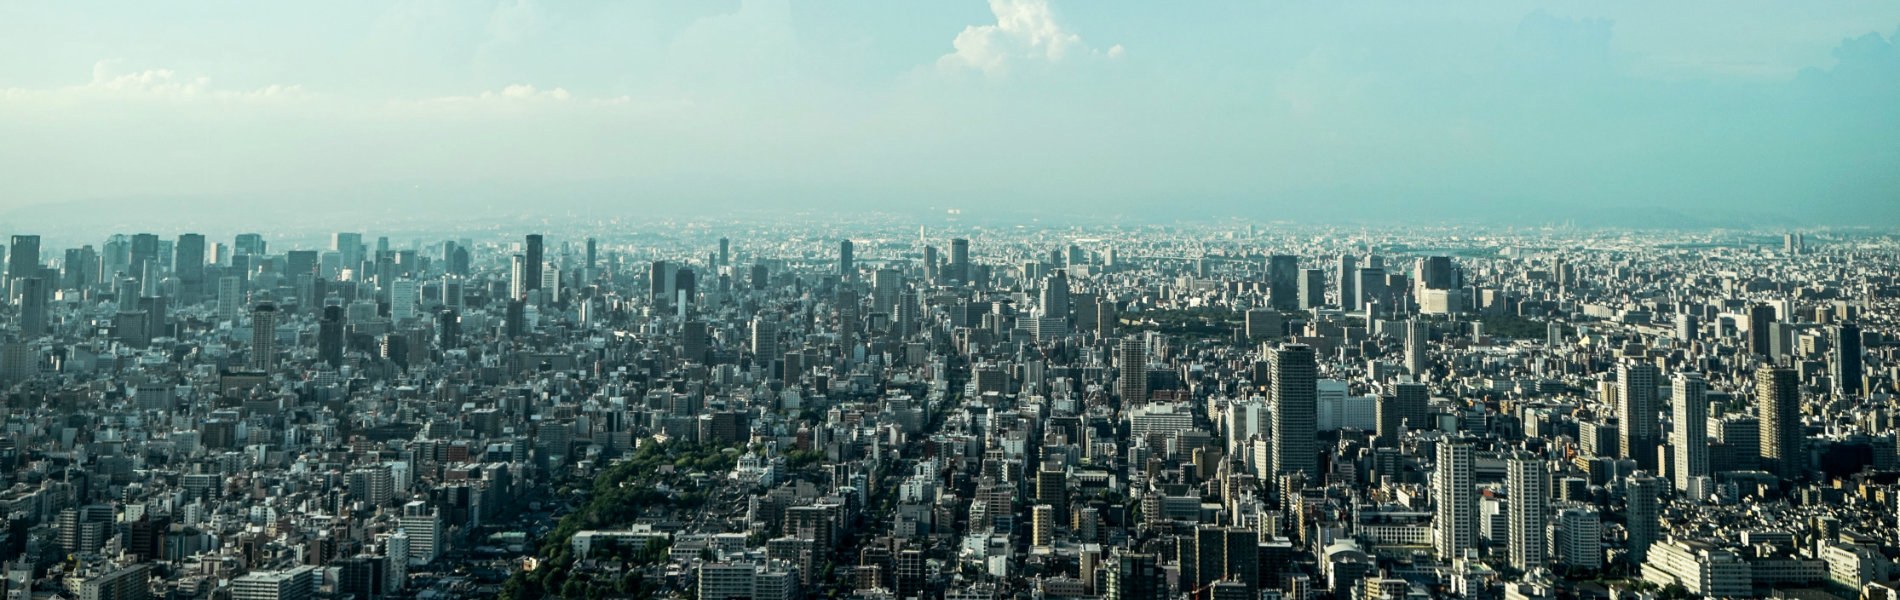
1025 30
108 82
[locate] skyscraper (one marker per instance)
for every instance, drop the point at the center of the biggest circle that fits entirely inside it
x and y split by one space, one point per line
1312 289
1525 481
1761 317
1135 576
1283 282
1455 524
189 264
1690 429
593 253
230 298
1844 360
330 336
23 257
1642 495
1636 406
960 260
32 292
1296 411
264 336
531 258
1778 396
517 277
725 252
845 267
1416 361
1370 291
1348 273
1132 382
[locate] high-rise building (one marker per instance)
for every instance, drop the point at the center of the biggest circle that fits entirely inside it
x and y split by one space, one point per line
960 260
1135 576
1042 525
189 265
1417 362
1454 491
1637 407
1370 291
764 340
1844 360
532 261
264 336
32 293
230 298
725 252
1295 411
349 247
404 299
249 244
659 282
1761 318
1687 328
330 336
1778 396
593 253
1526 477
1312 289
1579 537
23 257
846 268
1283 281
517 277
1689 429
885 285
1348 275
1434 273
292 584
1642 495
1131 382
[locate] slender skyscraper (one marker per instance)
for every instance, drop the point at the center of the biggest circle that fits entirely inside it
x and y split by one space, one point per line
1778 395
1416 361
531 263
1844 362
1637 407
189 264
845 267
23 257
1132 382
1348 272
330 336
1760 319
1455 524
1312 289
1525 479
32 292
264 336
960 259
1689 429
593 253
1643 495
1135 576
1296 411
1283 283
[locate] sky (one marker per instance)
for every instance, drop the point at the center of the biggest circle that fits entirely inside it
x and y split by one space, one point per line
1681 111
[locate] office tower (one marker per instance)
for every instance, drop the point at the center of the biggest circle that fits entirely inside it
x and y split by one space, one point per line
1042 525
330 336
904 323
885 285
960 260
1636 405
293 584
1055 295
1132 382
81 268
349 246
1687 328
1761 318
1312 289
532 260
1689 434
264 336
1348 275
1135 576
725 252
32 292
1779 400
658 282
249 244
1844 360
1052 489
1370 290
229 298
1435 273
1416 361
448 328
1642 495
1525 481
424 528
593 253
23 257
693 341
515 319
129 582
1263 323
764 340
189 265
1295 411
1455 524
761 276
517 277
845 267
144 255
1283 281
1215 553
403 300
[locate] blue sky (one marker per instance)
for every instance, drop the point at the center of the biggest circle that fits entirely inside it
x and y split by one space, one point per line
1305 110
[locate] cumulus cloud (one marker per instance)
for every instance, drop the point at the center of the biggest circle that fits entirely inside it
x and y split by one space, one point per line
1025 30
108 81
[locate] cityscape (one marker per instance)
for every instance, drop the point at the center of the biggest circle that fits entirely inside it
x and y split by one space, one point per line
949 300
868 409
